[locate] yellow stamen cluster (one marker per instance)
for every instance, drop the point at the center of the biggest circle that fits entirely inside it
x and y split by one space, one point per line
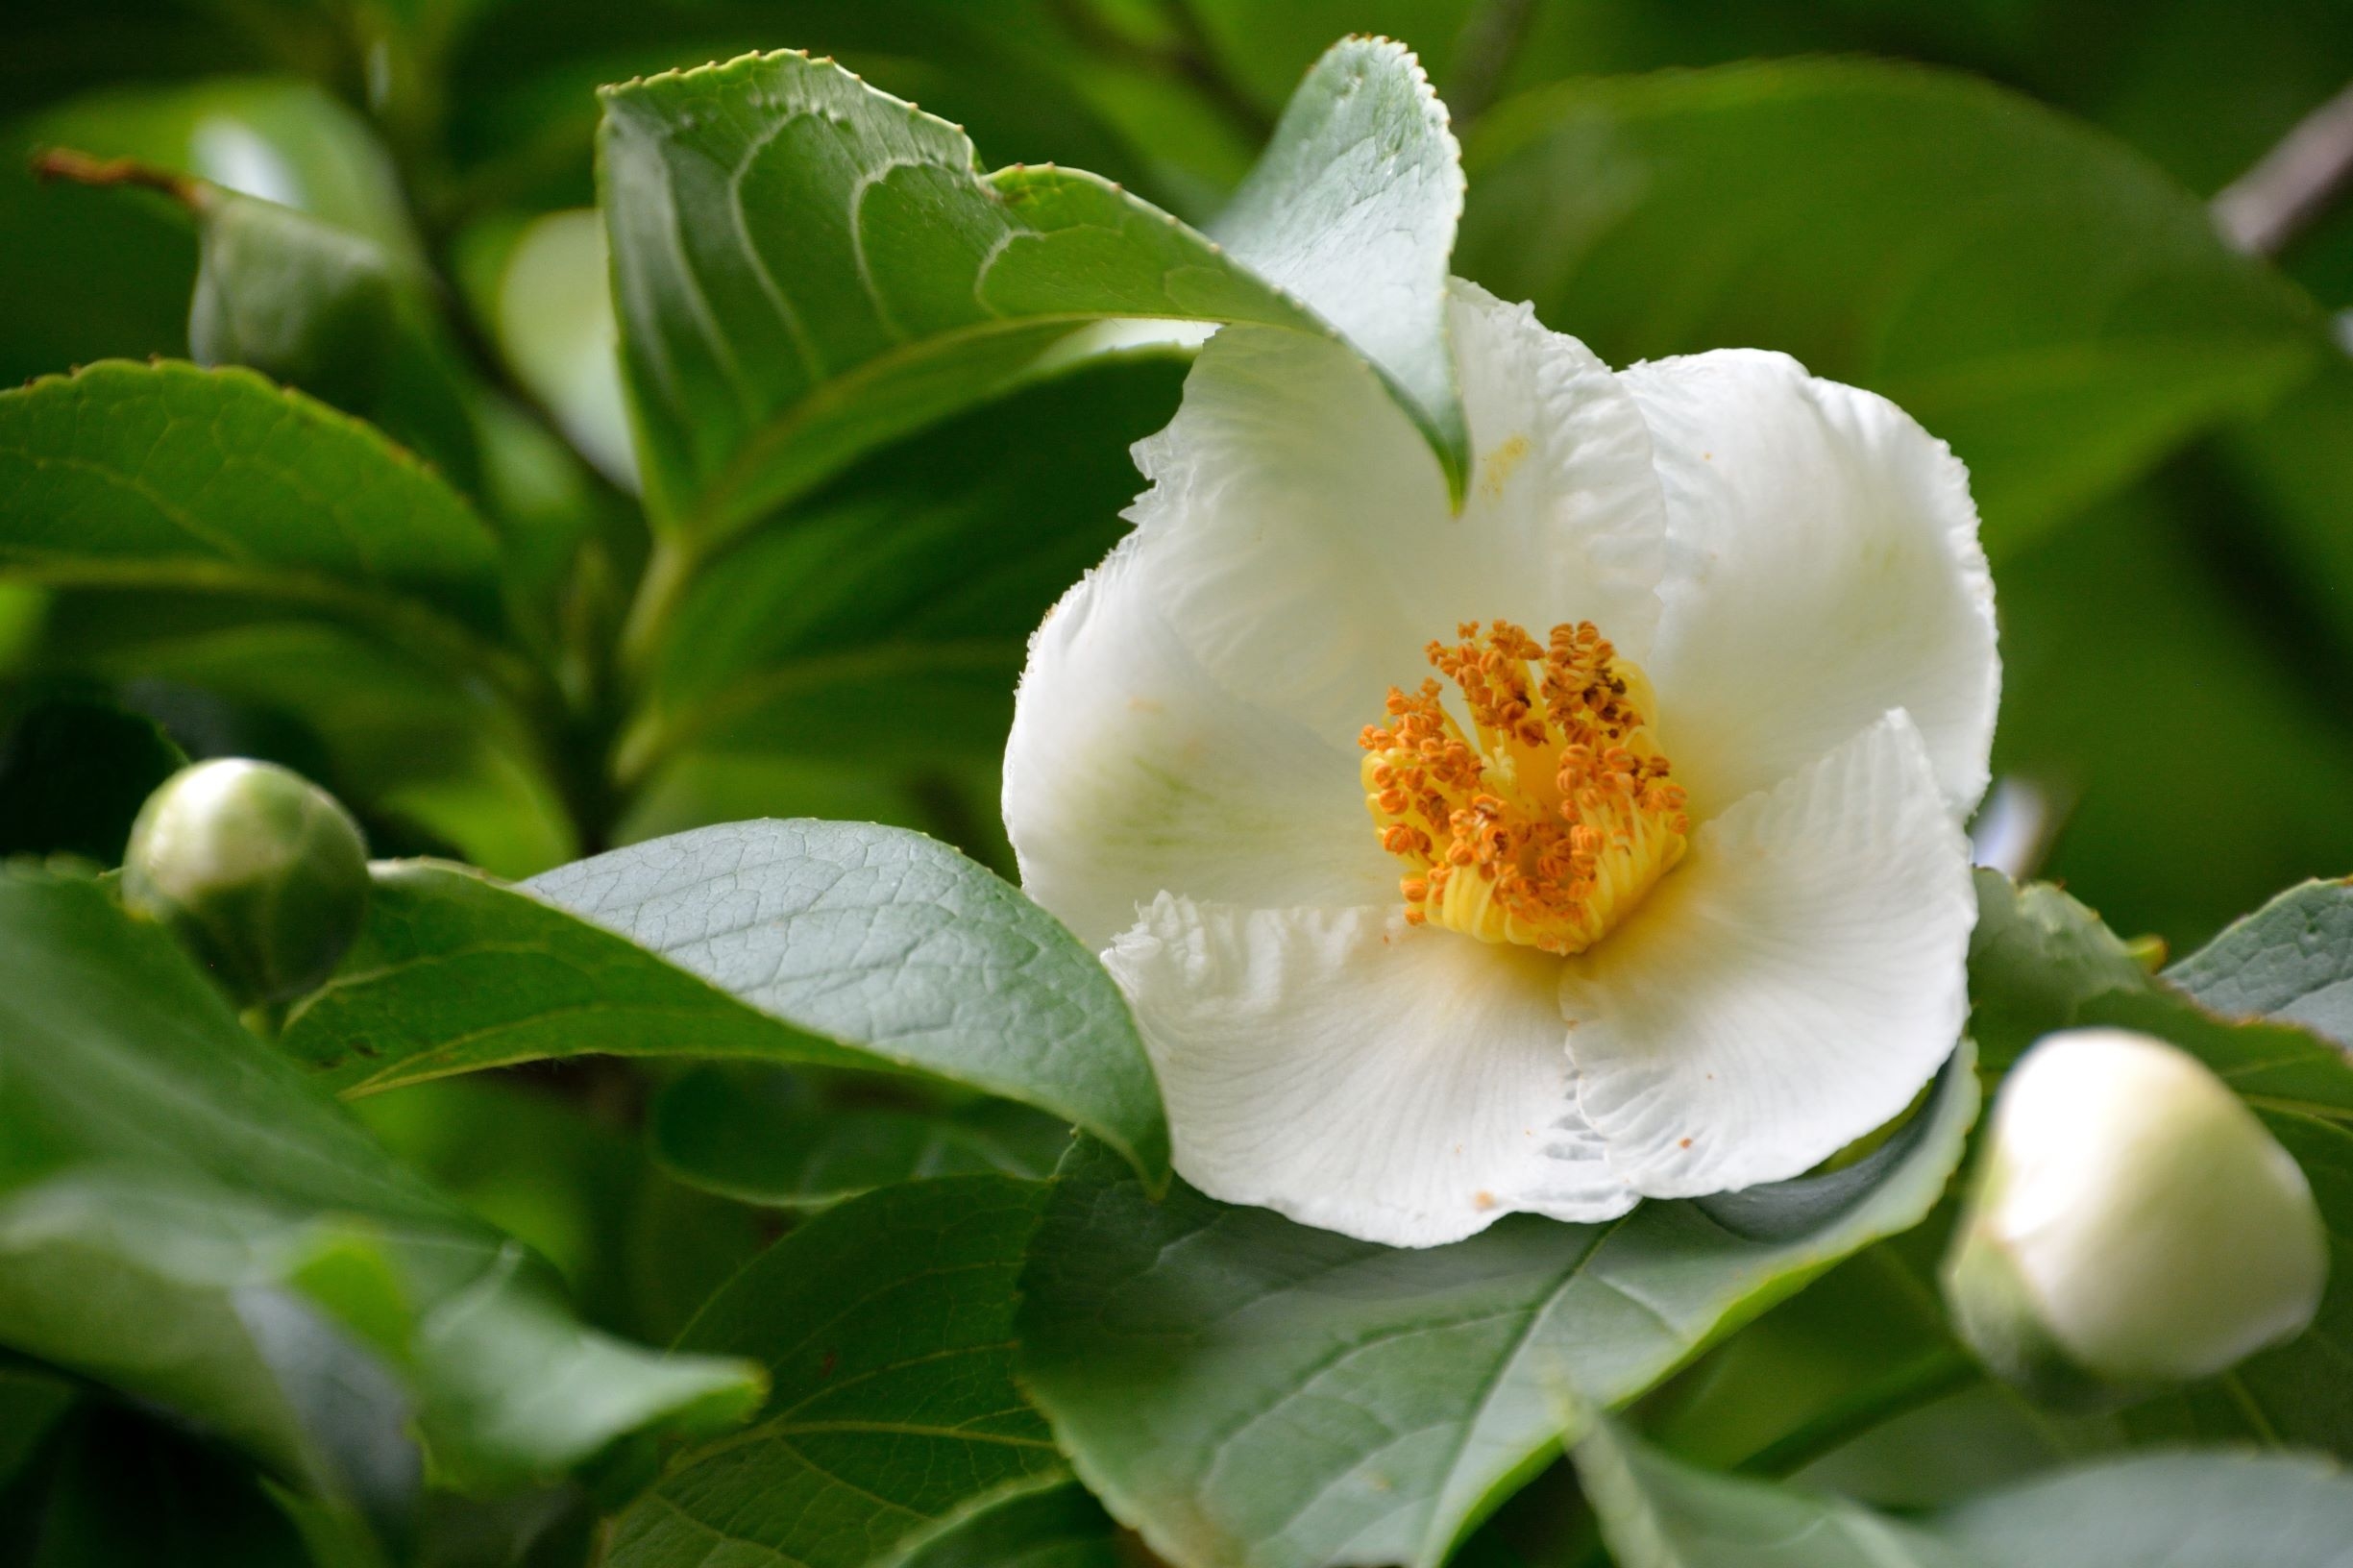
1550 825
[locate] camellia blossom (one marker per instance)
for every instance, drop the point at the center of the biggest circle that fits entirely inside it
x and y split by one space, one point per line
1599 841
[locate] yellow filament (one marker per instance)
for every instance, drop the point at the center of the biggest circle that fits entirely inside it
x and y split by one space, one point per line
1550 821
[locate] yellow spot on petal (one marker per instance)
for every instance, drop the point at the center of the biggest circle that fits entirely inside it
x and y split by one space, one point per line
1485 1200
1496 468
1547 822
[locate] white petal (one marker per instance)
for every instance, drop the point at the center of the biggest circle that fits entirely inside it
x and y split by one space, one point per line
1298 530
1790 986
1129 771
1824 568
1565 519
1397 1085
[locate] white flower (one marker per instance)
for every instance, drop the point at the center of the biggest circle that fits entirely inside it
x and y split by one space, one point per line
1690 977
2132 1221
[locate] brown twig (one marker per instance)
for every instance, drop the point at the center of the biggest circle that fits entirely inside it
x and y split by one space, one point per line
80 168
2293 183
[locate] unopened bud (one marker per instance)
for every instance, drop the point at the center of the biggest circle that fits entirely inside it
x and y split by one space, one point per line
258 871
2133 1224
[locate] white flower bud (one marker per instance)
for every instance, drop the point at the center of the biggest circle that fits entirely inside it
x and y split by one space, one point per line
2133 1224
259 873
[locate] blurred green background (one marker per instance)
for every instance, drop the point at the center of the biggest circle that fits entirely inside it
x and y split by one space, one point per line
2161 431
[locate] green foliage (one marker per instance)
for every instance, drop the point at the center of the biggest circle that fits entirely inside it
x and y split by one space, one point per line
273 1276
2029 291
1352 209
1658 1514
2204 1510
2200 1510
1208 1367
1059 1527
2290 960
886 1328
455 973
343 316
86 277
885 622
216 482
769 1138
896 948
807 268
820 943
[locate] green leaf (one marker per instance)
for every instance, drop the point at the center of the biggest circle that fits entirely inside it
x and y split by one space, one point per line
552 1170
2290 960
1864 1345
171 477
1352 209
2040 962
335 314
1061 1527
272 1275
767 1137
2033 292
86 275
896 948
552 1528
806 268
1658 1513
1266 48
2192 1509
1245 1390
885 626
885 1326
954 801
2036 956
455 973
2200 1509
823 943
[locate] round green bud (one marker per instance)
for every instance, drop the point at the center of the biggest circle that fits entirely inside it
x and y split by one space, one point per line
258 871
2132 1225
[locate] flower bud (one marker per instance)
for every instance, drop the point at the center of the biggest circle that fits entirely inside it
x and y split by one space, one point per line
258 871
2133 1224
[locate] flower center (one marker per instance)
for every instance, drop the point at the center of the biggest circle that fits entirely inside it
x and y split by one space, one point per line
1548 828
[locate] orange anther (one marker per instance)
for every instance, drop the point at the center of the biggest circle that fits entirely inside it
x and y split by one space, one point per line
1564 841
